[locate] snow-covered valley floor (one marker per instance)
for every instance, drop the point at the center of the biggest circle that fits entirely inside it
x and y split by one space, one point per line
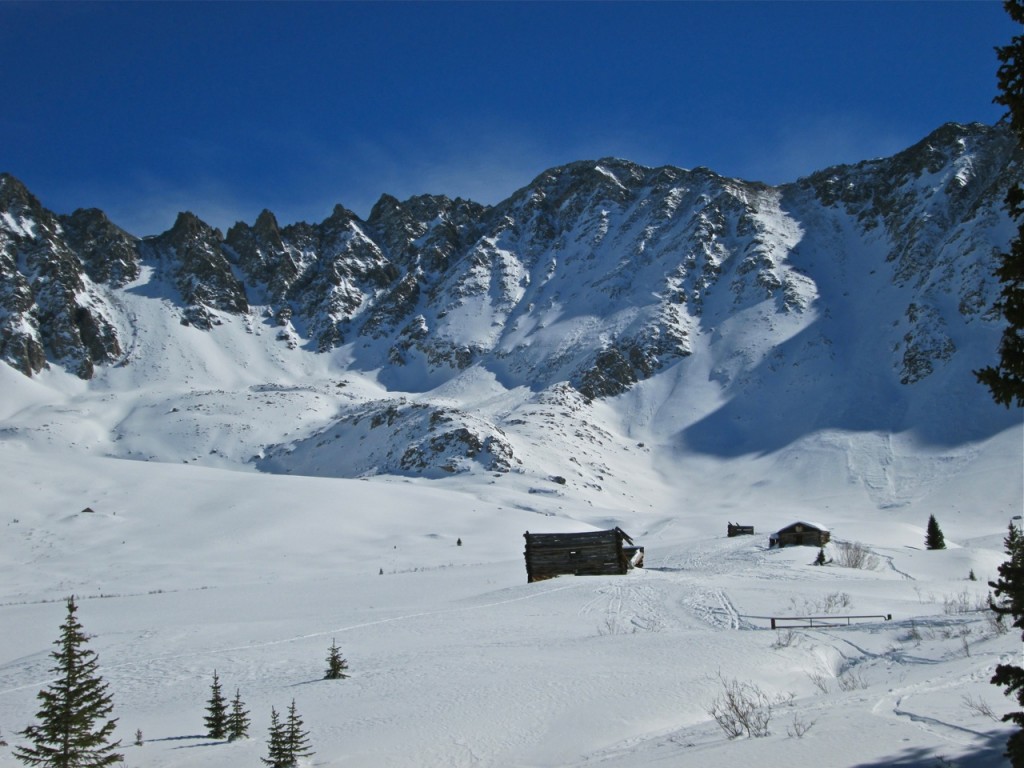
455 659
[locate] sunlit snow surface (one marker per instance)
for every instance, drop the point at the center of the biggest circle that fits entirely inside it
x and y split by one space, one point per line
191 561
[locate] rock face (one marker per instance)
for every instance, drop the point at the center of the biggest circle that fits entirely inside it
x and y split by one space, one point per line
51 309
600 274
200 270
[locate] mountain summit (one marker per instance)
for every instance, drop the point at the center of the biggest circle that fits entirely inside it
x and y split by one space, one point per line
858 298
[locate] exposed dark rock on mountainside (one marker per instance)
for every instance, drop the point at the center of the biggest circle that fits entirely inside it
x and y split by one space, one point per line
600 274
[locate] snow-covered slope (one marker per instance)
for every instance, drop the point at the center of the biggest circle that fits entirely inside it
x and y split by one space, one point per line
283 432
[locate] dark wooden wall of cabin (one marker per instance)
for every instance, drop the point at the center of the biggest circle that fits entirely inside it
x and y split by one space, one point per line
593 553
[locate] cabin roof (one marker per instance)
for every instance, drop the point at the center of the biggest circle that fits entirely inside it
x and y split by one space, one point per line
568 537
805 524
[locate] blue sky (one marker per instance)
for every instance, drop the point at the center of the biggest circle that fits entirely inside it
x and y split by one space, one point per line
147 108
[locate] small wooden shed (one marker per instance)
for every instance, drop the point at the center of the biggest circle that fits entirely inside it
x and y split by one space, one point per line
735 529
592 553
800 534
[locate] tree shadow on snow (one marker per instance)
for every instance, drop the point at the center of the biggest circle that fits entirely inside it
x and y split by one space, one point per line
207 742
989 756
305 682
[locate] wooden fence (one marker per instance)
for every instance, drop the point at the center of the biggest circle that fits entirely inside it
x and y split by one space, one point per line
808 622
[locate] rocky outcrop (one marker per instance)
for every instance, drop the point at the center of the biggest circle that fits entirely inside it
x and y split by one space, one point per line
201 271
51 310
396 437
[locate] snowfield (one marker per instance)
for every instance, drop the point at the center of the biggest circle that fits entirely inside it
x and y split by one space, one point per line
181 570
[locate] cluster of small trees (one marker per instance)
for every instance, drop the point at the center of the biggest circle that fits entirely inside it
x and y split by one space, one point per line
74 728
222 721
287 742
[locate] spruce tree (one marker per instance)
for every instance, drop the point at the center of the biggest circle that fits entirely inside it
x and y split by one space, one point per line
933 538
336 666
1008 600
278 755
216 719
73 729
1005 380
820 559
297 739
238 719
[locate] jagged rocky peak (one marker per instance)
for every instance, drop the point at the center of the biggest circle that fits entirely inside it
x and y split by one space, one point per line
962 149
51 309
266 227
426 230
189 228
263 254
24 217
110 254
201 271
14 195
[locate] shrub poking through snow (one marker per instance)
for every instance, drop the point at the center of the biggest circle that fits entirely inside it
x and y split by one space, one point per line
741 708
853 554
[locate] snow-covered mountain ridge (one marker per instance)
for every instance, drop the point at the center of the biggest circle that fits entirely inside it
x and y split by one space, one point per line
857 298
235 449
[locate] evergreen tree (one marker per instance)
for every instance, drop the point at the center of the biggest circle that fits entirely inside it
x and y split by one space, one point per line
1008 600
73 729
238 719
820 559
287 741
278 755
1005 380
216 719
336 666
933 538
297 739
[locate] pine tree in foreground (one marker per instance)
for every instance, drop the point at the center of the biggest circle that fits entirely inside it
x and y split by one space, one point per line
238 719
1008 600
297 739
287 741
73 729
933 538
336 666
216 719
278 755
1005 379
